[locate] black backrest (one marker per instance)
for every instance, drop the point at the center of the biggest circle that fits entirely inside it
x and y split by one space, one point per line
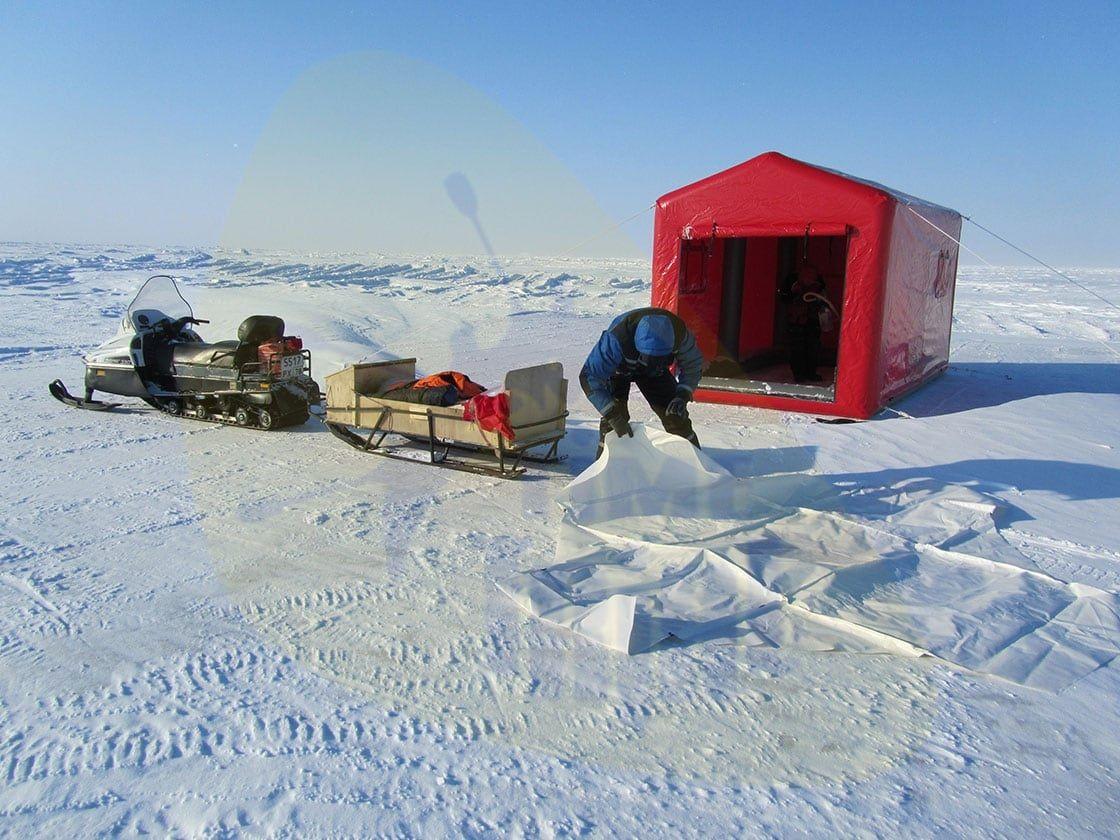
259 328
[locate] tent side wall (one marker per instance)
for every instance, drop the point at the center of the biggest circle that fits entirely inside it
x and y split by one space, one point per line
857 368
918 308
666 259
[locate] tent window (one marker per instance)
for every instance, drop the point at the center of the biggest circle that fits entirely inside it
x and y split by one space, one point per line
944 272
695 257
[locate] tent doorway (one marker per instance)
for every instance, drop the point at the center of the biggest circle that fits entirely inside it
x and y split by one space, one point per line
766 311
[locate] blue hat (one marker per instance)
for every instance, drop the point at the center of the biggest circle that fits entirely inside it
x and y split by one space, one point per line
654 336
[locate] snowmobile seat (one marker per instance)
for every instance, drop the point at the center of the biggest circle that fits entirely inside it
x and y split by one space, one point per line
254 331
219 354
257 329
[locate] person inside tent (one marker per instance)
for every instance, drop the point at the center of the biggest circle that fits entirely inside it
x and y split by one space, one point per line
638 348
803 292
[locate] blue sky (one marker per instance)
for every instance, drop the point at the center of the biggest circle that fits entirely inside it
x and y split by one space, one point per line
136 122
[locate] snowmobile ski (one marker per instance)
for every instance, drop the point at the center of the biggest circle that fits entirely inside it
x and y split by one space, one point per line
59 392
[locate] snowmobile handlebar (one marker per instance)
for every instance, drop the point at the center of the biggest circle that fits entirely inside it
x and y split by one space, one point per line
188 319
174 327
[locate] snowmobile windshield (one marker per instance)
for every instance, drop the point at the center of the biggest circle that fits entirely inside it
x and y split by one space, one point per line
158 300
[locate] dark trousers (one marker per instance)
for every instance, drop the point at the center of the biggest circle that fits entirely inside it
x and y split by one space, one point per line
659 391
804 351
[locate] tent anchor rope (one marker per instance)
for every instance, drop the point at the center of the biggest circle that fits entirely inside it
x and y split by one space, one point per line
950 236
1047 266
899 412
605 231
1081 286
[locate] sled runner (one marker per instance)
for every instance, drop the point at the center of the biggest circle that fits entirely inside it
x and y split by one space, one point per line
537 410
261 380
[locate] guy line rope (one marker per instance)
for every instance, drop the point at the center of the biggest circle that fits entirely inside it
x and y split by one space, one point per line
1061 274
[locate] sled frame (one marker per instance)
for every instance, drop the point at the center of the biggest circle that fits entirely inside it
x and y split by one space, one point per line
510 458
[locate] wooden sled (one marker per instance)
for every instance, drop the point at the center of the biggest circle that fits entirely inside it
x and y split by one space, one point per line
538 408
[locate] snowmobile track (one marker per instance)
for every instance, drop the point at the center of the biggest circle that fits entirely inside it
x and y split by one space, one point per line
59 391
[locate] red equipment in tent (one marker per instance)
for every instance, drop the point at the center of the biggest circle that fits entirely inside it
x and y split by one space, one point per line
727 249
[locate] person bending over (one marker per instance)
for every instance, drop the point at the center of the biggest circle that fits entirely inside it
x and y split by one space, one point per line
638 348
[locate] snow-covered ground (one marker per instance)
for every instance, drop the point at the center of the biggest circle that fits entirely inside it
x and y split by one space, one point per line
204 629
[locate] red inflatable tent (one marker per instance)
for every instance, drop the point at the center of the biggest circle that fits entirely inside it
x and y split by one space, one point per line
727 247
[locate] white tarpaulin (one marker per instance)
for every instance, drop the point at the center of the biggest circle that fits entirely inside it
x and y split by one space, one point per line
659 541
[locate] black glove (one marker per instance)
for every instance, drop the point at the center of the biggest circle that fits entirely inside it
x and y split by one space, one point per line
678 406
619 418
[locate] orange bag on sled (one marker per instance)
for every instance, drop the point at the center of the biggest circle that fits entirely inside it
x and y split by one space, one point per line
466 387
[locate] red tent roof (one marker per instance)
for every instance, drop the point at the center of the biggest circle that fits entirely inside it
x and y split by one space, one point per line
771 163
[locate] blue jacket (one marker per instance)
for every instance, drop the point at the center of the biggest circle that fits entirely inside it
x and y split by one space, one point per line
633 338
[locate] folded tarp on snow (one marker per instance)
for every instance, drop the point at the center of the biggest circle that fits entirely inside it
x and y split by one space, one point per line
659 541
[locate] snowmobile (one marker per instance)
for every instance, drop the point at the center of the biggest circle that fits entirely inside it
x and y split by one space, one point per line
262 380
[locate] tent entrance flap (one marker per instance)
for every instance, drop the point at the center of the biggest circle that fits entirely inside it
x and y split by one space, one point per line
766 311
